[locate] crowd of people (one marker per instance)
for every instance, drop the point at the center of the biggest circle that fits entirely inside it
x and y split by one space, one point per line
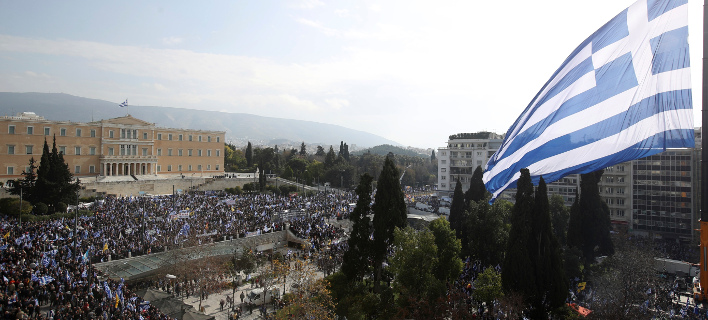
47 264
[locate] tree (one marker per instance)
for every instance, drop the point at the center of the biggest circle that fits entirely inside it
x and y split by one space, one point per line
234 158
518 274
488 287
390 212
320 151
413 262
54 183
249 155
357 258
485 232
457 209
589 225
551 283
310 297
330 158
25 185
449 264
477 190
432 156
559 217
627 286
303 150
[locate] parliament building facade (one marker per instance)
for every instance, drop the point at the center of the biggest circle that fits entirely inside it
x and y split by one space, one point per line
118 146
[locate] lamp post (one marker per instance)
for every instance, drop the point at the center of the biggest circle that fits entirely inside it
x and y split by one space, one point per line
20 215
76 221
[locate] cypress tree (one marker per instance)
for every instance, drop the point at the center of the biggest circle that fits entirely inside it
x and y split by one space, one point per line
249 155
389 213
551 283
518 269
589 225
457 210
330 158
477 191
356 260
42 187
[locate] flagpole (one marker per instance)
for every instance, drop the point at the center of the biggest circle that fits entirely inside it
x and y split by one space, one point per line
701 294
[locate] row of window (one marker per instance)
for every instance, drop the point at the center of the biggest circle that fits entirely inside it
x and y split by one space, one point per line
124 150
189 168
29 149
611 190
613 201
92 169
190 137
190 152
47 131
124 134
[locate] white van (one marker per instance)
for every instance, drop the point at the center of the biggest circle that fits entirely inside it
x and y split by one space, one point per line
256 296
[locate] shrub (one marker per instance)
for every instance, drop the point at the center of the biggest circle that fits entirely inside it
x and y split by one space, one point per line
61 207
41 208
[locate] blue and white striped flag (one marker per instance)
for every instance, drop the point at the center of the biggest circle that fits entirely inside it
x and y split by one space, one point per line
623 94
43 280
124 104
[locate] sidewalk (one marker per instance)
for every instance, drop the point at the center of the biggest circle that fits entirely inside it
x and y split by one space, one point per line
211 304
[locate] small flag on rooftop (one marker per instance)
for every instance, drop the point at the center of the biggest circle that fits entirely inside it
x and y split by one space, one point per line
124 103
623 94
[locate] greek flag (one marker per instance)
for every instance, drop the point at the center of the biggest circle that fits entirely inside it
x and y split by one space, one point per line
124 104
43 280
623 94
107 289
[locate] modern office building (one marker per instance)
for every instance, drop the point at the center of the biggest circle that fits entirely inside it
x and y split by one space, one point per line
118 146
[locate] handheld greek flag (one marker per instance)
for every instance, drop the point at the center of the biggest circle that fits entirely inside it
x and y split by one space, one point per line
623 94
124 104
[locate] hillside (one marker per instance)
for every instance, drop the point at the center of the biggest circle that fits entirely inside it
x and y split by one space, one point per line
240 127
386 148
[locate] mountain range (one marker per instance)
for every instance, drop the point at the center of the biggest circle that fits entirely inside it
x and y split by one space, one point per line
240 128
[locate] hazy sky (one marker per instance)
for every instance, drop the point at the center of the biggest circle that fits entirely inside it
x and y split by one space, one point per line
411 71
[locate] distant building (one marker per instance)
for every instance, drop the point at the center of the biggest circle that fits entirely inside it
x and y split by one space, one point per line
119 146
462 155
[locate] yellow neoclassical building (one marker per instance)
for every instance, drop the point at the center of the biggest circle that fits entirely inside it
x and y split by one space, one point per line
118 146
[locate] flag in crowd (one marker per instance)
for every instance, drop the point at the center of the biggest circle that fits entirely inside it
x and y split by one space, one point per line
623 94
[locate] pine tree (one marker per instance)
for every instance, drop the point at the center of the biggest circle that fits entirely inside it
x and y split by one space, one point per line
432 156
518 269
303 150
356 260
389 213
457 209
477 191
320 151
249 155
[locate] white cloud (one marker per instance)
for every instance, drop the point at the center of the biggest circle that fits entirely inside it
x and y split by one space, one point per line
337 103
170 41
